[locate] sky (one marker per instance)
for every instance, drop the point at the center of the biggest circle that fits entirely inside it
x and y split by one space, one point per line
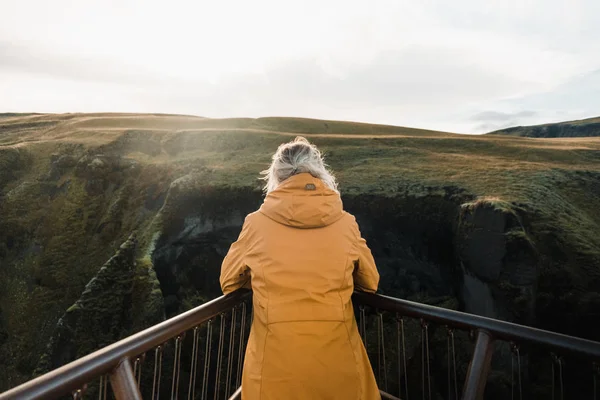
466 66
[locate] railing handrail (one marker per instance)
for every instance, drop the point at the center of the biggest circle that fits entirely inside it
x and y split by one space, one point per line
500 330
74 375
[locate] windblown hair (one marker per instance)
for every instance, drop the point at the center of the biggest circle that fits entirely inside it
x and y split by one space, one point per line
296 157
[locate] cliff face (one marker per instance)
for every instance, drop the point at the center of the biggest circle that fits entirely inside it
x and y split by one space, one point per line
489 226
498 261
120 300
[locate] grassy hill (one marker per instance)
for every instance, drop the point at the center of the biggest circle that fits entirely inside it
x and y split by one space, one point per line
581 128
375 159
519 215
234 150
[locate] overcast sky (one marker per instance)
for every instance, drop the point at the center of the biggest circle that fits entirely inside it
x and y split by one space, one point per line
466 66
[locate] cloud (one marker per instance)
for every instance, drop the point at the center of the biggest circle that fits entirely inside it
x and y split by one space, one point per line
412 85
464 67
402 88
488 121
22 58
488 116
577 98
580 94
491 127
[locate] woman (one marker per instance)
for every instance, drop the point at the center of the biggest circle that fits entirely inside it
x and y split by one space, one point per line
302 255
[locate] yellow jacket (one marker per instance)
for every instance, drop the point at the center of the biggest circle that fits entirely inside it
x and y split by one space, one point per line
303 255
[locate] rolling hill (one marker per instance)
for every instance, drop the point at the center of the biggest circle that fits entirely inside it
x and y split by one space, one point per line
582 128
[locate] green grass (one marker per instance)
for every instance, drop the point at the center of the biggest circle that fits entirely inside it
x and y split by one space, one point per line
375 159
554 183
233 151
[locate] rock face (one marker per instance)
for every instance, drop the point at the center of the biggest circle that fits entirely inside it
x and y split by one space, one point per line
198 226
106 311
498 261
426 249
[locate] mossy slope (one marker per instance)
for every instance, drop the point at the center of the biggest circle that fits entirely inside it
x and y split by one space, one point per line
105 311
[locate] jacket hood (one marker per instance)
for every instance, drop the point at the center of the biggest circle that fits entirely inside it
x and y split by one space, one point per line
303 201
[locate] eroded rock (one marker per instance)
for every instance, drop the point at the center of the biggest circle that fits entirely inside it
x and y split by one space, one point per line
498 260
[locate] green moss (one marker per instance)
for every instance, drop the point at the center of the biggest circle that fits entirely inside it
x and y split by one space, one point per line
147 300
99 317
518 234
74 308
495 203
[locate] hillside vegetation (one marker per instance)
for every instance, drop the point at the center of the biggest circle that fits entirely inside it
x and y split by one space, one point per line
510 222
581 128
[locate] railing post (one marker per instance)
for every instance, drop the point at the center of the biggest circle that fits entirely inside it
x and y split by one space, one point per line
479 367
123 382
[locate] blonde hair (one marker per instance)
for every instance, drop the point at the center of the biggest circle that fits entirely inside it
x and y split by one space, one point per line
294 158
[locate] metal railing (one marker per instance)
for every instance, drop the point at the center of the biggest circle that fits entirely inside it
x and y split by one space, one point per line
214 355
484 330
121 362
